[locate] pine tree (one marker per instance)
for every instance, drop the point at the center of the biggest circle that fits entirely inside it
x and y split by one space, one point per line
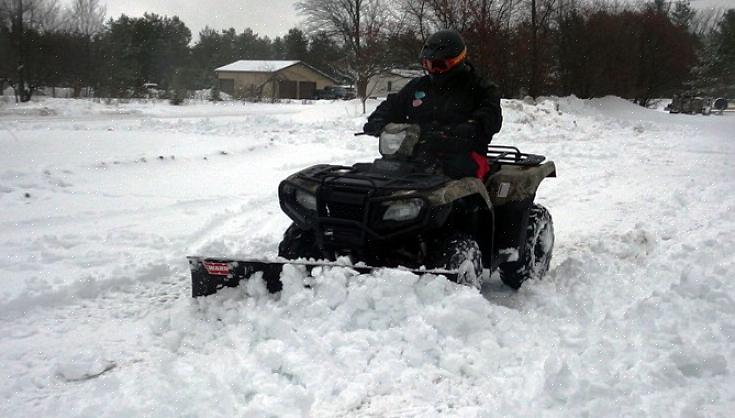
296 45
725 44
682 14
715 73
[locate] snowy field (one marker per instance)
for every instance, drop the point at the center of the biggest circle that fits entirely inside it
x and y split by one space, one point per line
101 204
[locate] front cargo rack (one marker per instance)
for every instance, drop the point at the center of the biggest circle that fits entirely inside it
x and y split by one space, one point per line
508 155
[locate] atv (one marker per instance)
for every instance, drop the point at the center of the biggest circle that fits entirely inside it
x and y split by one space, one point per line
401 211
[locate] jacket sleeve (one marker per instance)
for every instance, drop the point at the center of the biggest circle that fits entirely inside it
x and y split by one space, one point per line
393 109
488 113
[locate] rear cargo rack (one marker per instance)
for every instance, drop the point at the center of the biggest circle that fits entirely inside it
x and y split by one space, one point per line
508 155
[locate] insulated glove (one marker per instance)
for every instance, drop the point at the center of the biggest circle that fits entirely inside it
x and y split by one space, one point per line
441 143
374 126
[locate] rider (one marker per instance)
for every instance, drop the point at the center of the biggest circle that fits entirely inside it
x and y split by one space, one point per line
457 110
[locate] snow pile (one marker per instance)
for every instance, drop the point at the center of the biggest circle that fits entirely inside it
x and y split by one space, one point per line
100 208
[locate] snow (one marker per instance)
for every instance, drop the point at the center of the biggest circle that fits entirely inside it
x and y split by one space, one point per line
256 66
407 73
102 202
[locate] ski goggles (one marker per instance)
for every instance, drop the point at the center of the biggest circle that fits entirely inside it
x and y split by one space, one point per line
444 65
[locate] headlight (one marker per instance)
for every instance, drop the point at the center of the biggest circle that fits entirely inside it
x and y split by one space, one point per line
390 142
403 210
307 200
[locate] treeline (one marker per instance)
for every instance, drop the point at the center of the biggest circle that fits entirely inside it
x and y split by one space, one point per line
638 50
122 57
634 49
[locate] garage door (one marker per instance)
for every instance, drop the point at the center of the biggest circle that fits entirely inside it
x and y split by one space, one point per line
227 85
307 89
287 89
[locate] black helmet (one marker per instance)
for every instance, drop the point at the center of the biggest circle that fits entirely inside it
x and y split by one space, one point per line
442 51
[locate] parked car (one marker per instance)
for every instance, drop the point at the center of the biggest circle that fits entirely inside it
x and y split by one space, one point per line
721 104
690 104
151 91
336 93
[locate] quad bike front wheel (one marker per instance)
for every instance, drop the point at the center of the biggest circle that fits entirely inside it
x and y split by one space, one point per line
535 257
458 251
298 243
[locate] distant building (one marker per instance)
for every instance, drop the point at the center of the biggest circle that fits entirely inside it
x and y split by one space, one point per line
272 79
391 81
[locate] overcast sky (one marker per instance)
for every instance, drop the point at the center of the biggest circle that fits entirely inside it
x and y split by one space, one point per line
266 17
720 4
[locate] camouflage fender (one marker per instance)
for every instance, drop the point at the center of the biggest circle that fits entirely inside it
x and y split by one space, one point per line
515 183
457 189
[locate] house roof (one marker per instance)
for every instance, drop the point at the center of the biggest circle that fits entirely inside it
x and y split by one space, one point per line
266 66
257 66
407 73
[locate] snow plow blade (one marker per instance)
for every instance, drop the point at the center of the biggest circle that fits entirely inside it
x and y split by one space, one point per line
208 275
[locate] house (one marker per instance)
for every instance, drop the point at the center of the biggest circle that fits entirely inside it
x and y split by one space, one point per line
391 81
273 79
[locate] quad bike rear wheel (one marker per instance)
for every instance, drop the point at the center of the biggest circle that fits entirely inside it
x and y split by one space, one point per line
458 251
535 257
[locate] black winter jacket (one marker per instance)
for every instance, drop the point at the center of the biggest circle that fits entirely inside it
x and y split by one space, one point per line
441 107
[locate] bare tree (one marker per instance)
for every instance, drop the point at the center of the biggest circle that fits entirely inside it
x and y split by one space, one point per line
40 15
86 17
541 12
460 15
454 14
488 27
361 26
22 16
417 12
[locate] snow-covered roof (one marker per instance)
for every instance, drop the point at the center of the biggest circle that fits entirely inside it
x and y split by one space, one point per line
257 66
407 73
